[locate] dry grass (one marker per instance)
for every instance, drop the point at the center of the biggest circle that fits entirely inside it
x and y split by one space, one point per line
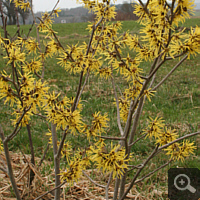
82 190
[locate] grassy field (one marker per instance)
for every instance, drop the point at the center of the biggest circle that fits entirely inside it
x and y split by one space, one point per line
177 101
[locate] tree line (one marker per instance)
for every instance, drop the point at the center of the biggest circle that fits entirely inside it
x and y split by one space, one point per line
12 13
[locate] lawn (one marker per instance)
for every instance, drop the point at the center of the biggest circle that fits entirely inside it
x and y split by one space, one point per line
177 101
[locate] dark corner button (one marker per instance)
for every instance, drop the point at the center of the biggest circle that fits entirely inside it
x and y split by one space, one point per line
184 183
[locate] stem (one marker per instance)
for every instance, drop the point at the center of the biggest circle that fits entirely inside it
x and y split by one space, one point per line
107 186
56 161
51 190
57 155
13 134
32 174
117 103
117 182
167 76
10 170
138 172
43 157
97 184
149 174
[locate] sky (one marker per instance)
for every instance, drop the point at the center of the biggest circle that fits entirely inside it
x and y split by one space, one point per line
47 5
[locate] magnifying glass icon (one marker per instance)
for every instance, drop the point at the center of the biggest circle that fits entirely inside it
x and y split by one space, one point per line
182 182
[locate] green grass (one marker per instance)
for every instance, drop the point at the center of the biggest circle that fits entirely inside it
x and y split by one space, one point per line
177 100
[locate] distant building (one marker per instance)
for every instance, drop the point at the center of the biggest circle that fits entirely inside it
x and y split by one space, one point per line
63 21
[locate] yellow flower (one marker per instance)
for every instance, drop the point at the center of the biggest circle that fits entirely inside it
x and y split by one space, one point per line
56 11
64 59
148 93
180 151
114 161
155 127
15 56
166 136
99 122
33 66
7 91
66 151
74 171
31 45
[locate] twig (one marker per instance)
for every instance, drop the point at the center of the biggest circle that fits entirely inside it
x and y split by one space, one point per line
51 190
167 76
54 7
56 161
138 172
149 174
4 170
135 167
43 157
112 138
62 142
82 72
8 138
32 174
107 186
102 186
137 140
117 103
10 170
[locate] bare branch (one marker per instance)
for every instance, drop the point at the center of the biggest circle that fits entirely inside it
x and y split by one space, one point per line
137 140
138 172
107 186
51 190
56 161
43 157
14 133
8 160
112 138
167 76
97 184
149 174
117 103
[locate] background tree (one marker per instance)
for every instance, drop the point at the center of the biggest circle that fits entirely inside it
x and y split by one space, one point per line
125 12
11 11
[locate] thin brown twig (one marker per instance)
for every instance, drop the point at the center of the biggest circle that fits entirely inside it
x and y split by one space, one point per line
97 184
43 157
8 160
112 138
137 140
51 190
167 76
107 186
149 174
9 137
138 172
117 103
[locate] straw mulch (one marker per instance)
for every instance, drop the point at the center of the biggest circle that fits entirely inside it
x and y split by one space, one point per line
82 190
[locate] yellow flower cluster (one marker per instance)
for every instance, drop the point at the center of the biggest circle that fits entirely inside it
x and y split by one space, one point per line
101 9
163 136
59 112
181 151
76 166
99 123
23 4
75 60
114 161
